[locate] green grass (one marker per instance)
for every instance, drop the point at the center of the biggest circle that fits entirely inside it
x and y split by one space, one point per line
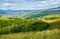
48 34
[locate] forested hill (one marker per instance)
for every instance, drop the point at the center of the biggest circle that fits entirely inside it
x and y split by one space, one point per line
40 14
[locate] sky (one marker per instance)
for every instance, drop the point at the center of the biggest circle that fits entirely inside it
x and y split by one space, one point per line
28 4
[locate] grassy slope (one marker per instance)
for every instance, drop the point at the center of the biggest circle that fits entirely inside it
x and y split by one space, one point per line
54 21
51 18
2 18
48 34
55 24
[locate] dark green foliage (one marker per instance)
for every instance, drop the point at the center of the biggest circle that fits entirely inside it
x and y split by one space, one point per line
52 18
19 25
4 23
40 26
55 25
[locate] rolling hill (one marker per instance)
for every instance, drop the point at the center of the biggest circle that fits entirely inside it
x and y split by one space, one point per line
54 21
51 18
40 14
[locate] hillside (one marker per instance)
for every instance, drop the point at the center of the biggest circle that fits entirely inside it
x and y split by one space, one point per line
55 25
40 14
53 20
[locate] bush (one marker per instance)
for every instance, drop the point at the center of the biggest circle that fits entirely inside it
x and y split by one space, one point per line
38 26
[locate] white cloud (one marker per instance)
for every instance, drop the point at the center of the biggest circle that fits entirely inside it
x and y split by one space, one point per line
8 4
55 2
21 0
3 8
46 3
14 0
43 3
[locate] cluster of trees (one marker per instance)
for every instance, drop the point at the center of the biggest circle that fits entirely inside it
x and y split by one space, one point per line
52 18
19 25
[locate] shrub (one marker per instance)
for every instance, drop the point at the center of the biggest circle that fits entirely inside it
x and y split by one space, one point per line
38 26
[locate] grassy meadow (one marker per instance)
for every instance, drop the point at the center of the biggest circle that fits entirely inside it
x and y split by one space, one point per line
48 34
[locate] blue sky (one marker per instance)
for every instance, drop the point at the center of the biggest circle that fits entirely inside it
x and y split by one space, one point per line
28 4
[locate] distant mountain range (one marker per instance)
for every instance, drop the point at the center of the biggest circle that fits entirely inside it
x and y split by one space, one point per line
29 14
14 13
